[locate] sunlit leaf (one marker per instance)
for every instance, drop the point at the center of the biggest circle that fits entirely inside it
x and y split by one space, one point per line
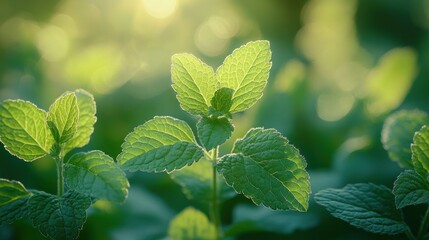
13 201
268 170
191 224
410 188
24 131
58 217
398 132
367 206
194 83
212 132
420 150
389 82
85 124
246 71
96 174
63 116
160 144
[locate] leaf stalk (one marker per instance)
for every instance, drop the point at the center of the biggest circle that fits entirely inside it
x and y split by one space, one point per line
215 213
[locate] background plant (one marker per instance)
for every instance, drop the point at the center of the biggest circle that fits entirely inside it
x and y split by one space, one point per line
376 208
262 166
30 133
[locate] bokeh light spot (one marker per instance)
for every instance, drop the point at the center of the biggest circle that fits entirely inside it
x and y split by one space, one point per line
159 8
333 107
53 43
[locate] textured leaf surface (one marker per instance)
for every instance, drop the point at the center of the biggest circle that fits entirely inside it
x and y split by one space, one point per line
410 188
95 174
265 168
246 71
163 143
13 201
420 150
221 102
367 206
58 217
85 124
191 224
194 83
212 132
24 131
63 116
196 182
398 132
390 81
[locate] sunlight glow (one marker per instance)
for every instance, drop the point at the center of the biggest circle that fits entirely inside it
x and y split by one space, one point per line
160 8
53 43
333 107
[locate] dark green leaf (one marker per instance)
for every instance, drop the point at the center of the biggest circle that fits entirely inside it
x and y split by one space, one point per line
221 102
96 174
213 132
410 188
268 170
13 201
367 206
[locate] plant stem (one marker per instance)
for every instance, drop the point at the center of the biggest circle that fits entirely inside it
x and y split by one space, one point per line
215 213
423 225
59 160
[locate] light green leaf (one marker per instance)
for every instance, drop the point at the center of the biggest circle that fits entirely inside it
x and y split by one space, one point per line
85 124
95 174
268 170
13 201
212 132
367 206
389 82
221 102
194 83
58 217
191 224
24 131
246 71
62 117
163 143
420 150
196 182
410 188
397 134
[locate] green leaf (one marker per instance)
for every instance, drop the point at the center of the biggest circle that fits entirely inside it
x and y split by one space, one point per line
389 82
24 131
420 150
254 219
191 224
160 144
13 201
221 102
410 188
194 83
58 217
95 174
62 117
212 132
85 124
367 206
196 182
278 176
246 71
397 134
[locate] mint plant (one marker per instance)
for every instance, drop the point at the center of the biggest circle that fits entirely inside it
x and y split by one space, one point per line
262 166
377 208
30 133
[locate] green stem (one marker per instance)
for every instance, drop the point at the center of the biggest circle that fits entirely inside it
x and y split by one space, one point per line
423 225
215 213
59 160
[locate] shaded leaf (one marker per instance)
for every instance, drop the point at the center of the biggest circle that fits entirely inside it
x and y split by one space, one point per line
367 206
95 174
194 83
213 132
410 188
221 102
191 224
63 116
268 170
246 71
24 131
13 201
58 217
397 134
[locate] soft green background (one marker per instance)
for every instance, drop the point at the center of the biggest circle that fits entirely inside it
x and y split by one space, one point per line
318 93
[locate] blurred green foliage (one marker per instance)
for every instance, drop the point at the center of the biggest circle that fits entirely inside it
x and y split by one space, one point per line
339 68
